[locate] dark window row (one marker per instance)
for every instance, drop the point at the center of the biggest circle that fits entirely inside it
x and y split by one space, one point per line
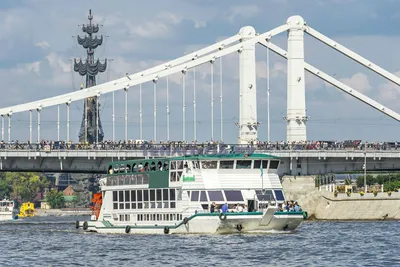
159 217
216 195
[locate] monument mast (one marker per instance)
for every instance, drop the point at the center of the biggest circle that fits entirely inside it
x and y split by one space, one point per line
90 68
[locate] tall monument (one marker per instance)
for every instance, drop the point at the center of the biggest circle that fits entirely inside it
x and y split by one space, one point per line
90 68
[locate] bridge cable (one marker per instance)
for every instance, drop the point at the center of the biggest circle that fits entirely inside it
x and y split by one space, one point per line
212 100
113 116
9 128
268 92
220 97
140 113
194 105
155 109
58 122
183 104
167 108
126 115
38 126
30 126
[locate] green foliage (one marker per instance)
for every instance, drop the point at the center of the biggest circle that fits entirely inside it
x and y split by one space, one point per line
392 186
347 181
22 185
55 199
370 180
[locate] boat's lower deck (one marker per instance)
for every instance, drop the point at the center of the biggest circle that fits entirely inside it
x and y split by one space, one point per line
205 223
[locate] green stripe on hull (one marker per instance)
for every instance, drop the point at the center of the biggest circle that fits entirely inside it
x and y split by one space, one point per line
107 224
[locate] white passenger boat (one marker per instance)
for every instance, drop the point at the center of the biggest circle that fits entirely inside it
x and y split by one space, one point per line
175 195
7 210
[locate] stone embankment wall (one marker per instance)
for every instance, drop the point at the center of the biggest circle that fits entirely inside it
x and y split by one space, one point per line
323 205
62 212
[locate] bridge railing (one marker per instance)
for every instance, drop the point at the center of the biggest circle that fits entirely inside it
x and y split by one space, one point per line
203 148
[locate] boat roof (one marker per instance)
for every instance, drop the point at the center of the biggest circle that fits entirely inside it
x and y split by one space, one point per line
226 156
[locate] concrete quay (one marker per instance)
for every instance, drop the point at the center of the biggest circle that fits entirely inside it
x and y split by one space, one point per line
323 205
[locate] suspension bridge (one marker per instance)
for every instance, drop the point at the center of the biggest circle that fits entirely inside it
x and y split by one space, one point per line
244 44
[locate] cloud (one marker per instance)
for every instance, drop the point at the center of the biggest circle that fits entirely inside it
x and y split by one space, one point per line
43 44
243 12
389 91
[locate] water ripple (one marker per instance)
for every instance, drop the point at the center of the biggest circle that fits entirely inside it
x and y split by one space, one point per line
55 242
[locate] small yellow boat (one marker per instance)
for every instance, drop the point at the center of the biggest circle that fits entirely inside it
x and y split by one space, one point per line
27 210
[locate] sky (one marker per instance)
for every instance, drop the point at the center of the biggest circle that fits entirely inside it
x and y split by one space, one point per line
38 39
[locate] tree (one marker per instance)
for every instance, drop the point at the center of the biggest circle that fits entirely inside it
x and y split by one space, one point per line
55 199
22 185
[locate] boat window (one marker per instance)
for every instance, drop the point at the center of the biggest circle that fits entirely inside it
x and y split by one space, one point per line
257 164
127 196
146 167
159 166
153 166
178 176
121 196
173 165
133 205
145 195
122 168
188 192
158 194
196 164
140 205
128 168
166 205
127 206
152 205
146 205
173 206
215 196
115 206
115 196
203 196
172 177
159 205
152 195
145 179
140 167
139 195
209 164
165 166
273 164
243 164
195 196
226 164
179 165
165 194
172 194
233 196
134 167
110 169
279 195
267 196
121 206
116 168
204 206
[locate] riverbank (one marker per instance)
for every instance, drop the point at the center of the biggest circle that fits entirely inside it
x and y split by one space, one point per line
324 205
62 212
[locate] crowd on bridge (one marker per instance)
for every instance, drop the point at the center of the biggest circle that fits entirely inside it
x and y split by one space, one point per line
49 145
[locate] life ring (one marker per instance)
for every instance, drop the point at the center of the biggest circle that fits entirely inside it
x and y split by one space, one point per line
127 229
239 227
305 214
77 224
166 230
85 226
185 220
222 216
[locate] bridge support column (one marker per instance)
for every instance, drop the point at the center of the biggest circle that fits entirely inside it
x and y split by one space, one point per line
248 91
296 97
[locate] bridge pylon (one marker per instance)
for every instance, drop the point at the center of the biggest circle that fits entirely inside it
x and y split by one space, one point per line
248 124
296 94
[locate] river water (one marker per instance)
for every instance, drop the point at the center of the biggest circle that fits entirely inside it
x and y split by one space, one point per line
54 241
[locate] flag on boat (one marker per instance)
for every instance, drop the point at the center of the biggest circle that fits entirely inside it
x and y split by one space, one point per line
261 169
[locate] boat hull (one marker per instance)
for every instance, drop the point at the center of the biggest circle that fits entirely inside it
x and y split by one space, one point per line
204 223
